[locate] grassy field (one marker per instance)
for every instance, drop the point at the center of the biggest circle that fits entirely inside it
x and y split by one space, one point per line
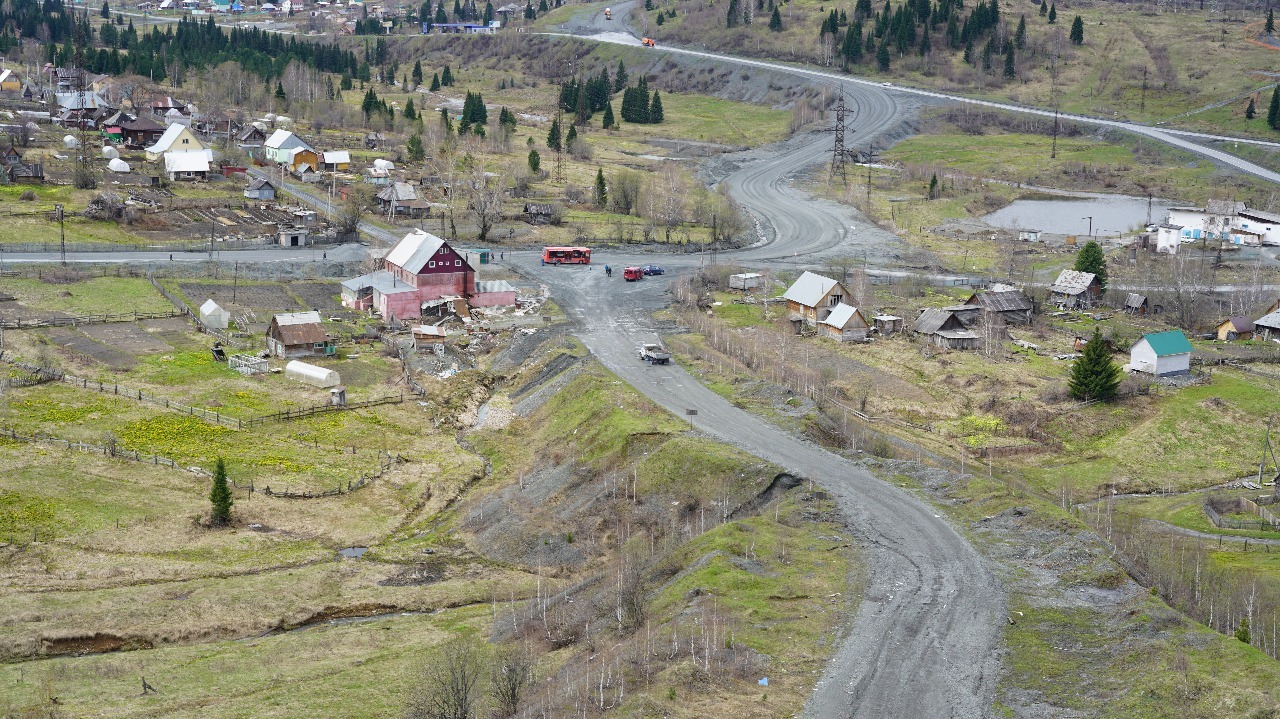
97 295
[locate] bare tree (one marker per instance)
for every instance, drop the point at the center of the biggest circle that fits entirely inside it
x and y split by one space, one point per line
510 675
485 202
353 210
448 685
624 191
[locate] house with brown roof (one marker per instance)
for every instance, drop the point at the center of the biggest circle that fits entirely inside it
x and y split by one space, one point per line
298 334
1235 328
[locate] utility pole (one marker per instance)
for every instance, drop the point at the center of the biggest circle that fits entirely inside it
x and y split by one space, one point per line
1053 153
1144 89
62 230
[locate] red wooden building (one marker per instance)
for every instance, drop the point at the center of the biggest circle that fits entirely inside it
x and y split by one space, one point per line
420 268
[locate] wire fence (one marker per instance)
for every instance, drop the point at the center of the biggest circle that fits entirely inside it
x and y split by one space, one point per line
386 461
107 450
79 320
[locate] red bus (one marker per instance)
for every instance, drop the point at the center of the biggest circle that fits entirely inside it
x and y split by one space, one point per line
566 255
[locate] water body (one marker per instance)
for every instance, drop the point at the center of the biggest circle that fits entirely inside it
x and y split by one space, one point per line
353 552
1066 215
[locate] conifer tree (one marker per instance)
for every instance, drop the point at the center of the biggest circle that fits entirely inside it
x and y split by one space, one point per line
446 77
553 136
1242 631
1269 29
1010 67
417 73
775 21
882 56
608 122
1020 37
620 78
1250 111
602 190
1273 112
220 499
435 82
410 113
1053 13
570 138
655 109
535 161
416 152
1077 31
582 111
1094 375
445 122
1090 259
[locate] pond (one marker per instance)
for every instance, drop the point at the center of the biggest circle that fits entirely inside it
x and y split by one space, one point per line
1067 214
353 552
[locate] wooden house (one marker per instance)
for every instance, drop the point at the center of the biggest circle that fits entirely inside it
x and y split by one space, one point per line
1136 304
812 297
9 81
176 138
943 328
1162 354
419 269
1010 306
1075 290
298 334
191 165
1235 328
260 189
400 198
302 160
887 324
539 213
845 323
335 161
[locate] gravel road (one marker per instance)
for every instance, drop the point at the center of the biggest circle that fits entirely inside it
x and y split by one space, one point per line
924 640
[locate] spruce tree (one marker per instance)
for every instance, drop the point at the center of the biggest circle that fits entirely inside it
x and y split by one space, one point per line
582 111
106 9
435 82
1077 31
416 152
1053 13
608 122
446 77
882 56
280 92
775 21
1020 37
933 187
1044 8
445 122
553 136
410 113
1094 375
1010 68
1269 29
1090 259
417 73
1250 111
570 138
655 109
220 499
1242 631
602 190
620 78
535 161
1273 112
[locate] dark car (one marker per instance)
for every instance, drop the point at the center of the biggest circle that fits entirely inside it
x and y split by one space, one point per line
652 270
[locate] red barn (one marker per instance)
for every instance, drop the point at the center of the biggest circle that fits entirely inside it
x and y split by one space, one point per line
420 268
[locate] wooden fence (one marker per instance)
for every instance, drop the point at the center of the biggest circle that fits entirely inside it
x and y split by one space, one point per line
78 320
386 461
104 450
403 354
292 414
1266 521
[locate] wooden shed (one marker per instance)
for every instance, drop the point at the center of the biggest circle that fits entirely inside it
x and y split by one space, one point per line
1235 328
844 324
298 334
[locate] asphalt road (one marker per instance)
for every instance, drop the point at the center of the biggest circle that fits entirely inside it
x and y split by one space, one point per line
923 642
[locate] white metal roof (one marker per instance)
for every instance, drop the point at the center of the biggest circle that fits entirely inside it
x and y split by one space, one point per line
210 307
280 138
1071 282
414 250
334 157
809 289
193 161
298 318
169 137
840 316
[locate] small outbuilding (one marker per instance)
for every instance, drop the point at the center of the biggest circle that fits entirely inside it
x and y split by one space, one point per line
298 334
213 316
1011 306
1163 354
746 281
313 375
493 293
1267 326
1235 328
844 324
260 189
944 329
293 237
1136 304
887 324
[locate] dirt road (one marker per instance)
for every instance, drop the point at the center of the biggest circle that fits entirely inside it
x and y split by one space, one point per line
923 641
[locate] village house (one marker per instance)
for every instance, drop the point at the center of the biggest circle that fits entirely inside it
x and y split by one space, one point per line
189 165
298 334
176 138
1235 328
845 324
1075 290
1267 327
401 198
423 270
279 147
944 328
141 132
250 139
1218 220
302 160
335 161
1135 304
15 171
260 189
161 106
1163 354
1010 306
812 297
9 81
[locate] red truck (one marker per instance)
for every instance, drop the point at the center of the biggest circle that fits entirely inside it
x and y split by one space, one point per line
631 274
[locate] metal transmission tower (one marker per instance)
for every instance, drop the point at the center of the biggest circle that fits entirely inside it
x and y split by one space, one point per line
560 150
839 154
84 177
